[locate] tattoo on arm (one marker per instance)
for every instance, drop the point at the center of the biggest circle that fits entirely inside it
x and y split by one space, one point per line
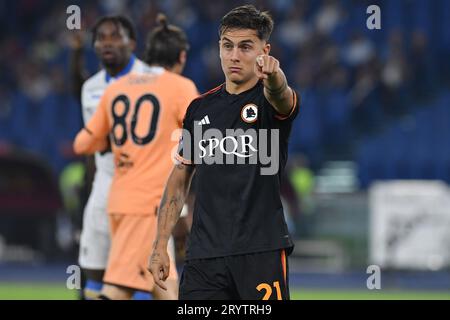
277 92
173 200
155 257
170 210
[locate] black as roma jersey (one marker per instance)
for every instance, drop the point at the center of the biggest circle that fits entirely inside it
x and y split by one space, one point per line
238 144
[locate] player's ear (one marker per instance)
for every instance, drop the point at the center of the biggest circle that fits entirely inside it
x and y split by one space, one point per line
267 48
132 45
182 57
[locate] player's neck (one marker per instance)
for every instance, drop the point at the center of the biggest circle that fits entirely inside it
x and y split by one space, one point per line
116 69
237 88
176 68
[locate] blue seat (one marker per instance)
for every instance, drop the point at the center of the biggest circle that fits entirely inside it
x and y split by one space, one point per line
336 114
306 135
25 124
443 24
60 121
441 167
392 14
422 15
369 154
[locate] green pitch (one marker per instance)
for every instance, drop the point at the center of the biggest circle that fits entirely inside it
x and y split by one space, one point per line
324 294
36 291
42 291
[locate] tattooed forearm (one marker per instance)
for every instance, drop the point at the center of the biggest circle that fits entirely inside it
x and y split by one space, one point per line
170 211
155 257
172 201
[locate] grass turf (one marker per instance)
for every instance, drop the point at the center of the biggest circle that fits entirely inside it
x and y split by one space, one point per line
43 291
324 294
36 291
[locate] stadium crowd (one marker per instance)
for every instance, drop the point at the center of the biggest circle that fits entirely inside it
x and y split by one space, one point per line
358 85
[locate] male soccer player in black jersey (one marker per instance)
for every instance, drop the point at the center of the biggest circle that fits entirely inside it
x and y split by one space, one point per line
239 240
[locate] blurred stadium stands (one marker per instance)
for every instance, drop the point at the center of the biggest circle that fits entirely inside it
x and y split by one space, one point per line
358 85
378 99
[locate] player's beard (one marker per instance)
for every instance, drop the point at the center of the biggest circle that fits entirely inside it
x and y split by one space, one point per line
111 62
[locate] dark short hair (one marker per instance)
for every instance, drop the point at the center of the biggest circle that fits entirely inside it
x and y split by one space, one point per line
118 20
248 17
165 43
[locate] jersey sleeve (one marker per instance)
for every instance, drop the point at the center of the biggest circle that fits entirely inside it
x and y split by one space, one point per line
186 145
99 123
292 114
93 137
84 107
88 105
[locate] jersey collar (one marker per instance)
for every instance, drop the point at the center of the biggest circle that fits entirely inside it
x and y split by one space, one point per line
243 93
123 72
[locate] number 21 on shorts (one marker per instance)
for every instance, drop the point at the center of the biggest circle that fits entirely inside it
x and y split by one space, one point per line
268 290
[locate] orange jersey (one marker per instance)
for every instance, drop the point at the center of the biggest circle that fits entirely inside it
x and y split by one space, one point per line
140 113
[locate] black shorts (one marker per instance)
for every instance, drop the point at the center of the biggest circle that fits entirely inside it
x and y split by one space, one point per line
255 276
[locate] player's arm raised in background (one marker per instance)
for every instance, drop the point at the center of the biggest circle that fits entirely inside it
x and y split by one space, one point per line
175 193
78 74
276 88
94 136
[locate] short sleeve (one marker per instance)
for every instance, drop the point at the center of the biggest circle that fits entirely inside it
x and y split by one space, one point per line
294 111
186 144
87 110
98 125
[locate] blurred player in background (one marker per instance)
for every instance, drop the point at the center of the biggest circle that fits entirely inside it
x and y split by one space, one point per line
239 240
114 40
140 112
